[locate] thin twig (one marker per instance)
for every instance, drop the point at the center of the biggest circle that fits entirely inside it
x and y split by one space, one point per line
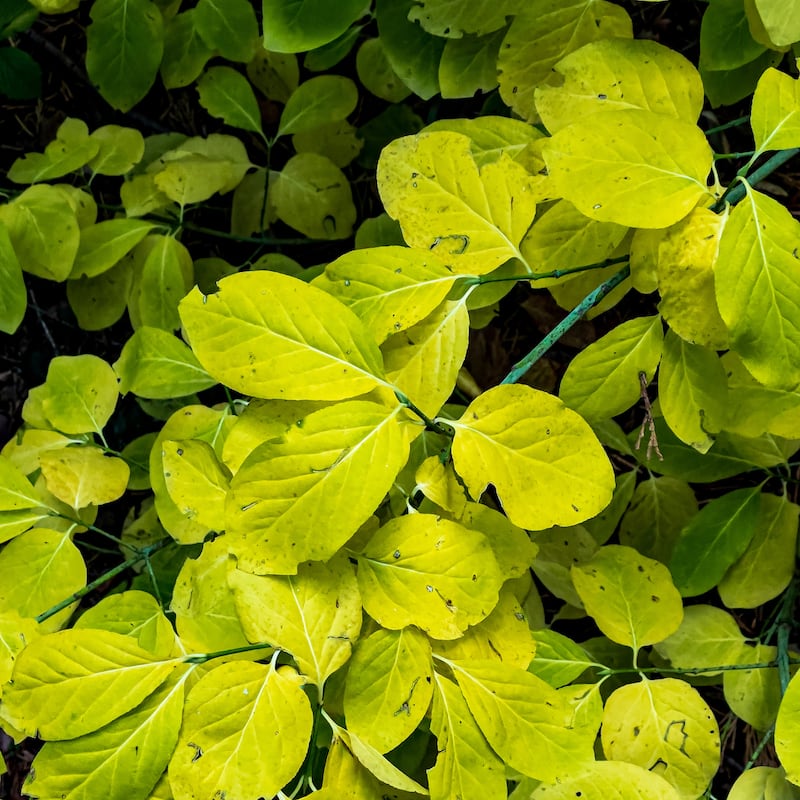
648 422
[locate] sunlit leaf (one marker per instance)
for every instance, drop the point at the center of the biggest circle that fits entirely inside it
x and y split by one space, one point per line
83 476
754 695
226 93
300 25
103 245
787 742
326 98
13 295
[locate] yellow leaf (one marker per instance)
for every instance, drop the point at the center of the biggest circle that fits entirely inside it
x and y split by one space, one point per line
104 244
84 475
272 336
665 727
763 783
314 615
430 572
775 117
754 695
389 687
632 167
16 632
439 483
345 778
120 149
328 473
530 446
787 740
559 549
558 659
632 598
245 733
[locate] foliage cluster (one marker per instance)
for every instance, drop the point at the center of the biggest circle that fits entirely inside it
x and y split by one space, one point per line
339 563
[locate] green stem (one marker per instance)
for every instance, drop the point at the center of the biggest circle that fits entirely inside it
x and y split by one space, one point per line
784 621
722 156
521 367
610 671
732 124
735 192
202 658
144 553
556 273
429 423
765 740
98 531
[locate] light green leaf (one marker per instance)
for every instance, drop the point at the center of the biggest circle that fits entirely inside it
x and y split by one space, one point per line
465 766
661 507
343 769
389 288
226 93
754 695
757 292
725 87
761 783
339 141
558 659
16 521
121 761
312 195
604 779
73 682
542 34
84 475
300 25
103 245
714 540
559 549
376 74
203 603
529 445
780 19
665 727
185 51
69 151
726 41
787 742
120 150
330 471
389 687
424 361
16 632
196 481
43 229
616 74
124 45
140 195
450 18
228 742
430 572
314 615
40 568
251 211
13 294
229 27
632 167
602 526
469 65
527 722
326 98
474 220
157 365
766 566
275 75
631 598
707 637
272 336
165 278
603 379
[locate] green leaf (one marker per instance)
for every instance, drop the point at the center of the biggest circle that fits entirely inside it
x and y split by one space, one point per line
312 195
157 365
787 742
602 526
73 682
104 244
389 687
558 659
20 75
469 65
84 476
44 232
450 18
559 549
528 444
663 726
632 167
165 278
714 540
299 25
465 766
757 293
185 51
474 220
228 27
527 722
121 761
754 695
707 637
631 598
339 141
542 34
603 379
376 74
725 87
604 779
226 93
120 150
314 615
274 74
69 151
124 45
16 633
41 568
272 336
228 742
615 74
13 295
780 19
765 568
760 783
726 41
430 572
330 470
326 98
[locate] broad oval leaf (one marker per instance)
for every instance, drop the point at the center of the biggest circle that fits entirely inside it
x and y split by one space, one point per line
272 336
245 725
325 98
558 660
226 93
665 727
389 687
228 27
754 695
185 51
787 738
119 150
760 783
530 446
84 475
780 21
13 294
299 25
329 472
775 117
450 18
430 572
632 167
104 244
165 277
314 615
631 598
